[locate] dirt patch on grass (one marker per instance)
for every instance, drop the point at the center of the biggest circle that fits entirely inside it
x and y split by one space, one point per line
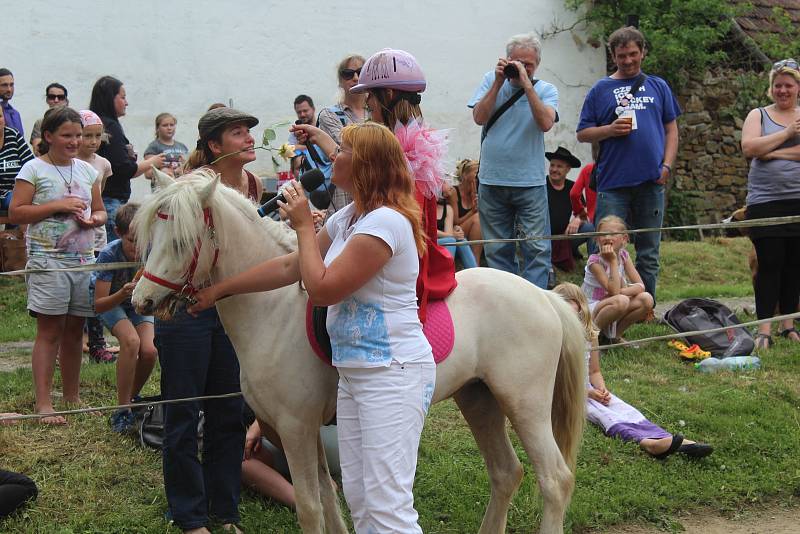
15 355
770 520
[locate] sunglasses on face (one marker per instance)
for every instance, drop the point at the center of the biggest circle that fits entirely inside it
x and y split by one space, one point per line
56 97
786 64
347 74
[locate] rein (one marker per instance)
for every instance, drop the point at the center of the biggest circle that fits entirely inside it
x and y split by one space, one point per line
186 289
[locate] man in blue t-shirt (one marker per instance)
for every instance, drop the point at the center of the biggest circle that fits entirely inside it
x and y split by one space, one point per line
512 192
638 138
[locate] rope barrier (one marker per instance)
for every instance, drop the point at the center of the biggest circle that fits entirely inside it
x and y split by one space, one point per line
770 221
78 268
635 343
117 407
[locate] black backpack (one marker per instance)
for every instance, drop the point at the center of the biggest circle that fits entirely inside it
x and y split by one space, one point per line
705 314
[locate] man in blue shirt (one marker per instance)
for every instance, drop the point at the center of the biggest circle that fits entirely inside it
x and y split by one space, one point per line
304 160
638 138
13 120
512 192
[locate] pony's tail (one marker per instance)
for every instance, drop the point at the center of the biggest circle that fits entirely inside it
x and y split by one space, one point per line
568 410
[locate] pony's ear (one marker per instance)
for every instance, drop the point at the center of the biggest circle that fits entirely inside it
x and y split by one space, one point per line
162 179
208 190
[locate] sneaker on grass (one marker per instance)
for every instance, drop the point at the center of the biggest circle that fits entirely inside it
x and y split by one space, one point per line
122 421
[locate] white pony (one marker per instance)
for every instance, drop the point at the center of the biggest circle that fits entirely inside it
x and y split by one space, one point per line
518 354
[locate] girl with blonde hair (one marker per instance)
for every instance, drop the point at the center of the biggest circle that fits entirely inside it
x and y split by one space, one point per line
616 417
467 203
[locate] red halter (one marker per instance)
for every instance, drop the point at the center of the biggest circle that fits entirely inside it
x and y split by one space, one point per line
186 289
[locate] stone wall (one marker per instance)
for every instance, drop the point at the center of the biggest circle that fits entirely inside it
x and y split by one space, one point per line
711 172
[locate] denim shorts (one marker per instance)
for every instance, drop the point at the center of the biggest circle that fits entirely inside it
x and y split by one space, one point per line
118 313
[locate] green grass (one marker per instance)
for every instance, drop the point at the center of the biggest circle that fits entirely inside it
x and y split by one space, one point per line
715 267
92 480
16 325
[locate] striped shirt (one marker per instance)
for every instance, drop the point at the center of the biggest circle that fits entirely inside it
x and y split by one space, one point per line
13 155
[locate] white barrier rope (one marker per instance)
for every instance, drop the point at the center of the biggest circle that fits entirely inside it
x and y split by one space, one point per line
770 221
633 343
78 268
20 417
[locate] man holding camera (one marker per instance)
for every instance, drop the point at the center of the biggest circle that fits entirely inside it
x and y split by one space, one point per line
515 111
633 118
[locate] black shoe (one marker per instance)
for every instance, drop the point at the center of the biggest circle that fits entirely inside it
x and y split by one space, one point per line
696 450
677 441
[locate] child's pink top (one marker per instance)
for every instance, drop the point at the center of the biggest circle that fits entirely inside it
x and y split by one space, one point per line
591 287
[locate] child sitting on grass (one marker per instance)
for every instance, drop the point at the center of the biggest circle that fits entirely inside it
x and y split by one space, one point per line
112 302
612 285
612 414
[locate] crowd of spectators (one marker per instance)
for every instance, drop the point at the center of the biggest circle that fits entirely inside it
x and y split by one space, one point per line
70 191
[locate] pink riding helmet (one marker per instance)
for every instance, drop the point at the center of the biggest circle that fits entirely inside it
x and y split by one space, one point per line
391 69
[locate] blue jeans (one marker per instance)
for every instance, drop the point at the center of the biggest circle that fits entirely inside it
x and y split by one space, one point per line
641 206
197 359
111 205
461 252
502 211
591 243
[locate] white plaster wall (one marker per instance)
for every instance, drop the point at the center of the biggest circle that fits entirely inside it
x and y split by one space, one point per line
182 55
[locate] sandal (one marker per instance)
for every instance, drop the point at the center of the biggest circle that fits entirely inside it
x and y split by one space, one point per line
695 353
788 332
764 341
678 345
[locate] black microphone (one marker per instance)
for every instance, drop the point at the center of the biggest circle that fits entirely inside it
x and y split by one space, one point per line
309 180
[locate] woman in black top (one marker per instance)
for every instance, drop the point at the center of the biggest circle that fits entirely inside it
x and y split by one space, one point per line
109 102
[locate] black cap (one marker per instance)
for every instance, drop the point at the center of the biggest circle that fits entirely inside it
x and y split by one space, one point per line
564 155
219 117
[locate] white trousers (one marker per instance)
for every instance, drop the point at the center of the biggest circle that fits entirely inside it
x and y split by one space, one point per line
380 413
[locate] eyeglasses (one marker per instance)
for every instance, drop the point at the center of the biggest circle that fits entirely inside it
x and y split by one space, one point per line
347 74
339 150
56 97
786 64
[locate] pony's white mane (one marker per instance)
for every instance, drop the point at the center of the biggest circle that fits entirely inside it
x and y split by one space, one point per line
182 201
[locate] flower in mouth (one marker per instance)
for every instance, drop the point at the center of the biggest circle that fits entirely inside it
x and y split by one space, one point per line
286 151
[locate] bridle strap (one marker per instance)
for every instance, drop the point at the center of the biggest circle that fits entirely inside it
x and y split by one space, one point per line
187 288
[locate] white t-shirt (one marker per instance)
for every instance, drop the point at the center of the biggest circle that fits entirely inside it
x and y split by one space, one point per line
103 168
59 235
378 323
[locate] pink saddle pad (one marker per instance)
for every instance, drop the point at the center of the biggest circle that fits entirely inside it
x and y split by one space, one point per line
438 328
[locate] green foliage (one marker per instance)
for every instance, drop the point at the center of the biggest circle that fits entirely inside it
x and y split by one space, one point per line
683 36
784 44
751 93
269 135
681 211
